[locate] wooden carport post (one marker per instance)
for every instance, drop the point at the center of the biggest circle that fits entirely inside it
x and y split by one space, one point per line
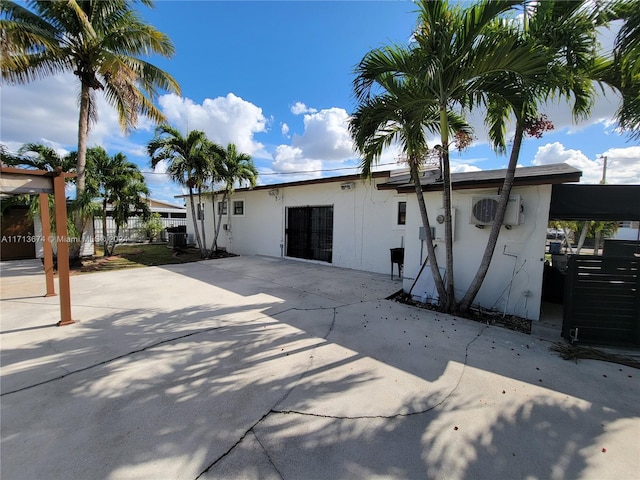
20 181
62 235
45 220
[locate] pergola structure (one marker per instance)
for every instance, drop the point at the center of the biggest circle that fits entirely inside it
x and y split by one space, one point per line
19 181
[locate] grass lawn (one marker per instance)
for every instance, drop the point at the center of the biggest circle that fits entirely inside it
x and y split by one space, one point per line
137 255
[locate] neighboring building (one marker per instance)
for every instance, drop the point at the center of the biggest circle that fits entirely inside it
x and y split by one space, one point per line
171 216
353 223
627 230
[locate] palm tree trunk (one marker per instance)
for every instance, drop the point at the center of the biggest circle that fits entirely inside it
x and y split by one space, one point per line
104 227
112 247
478 280
450 302
215 239
83 132
433 262
583 236
203 251
195 220
568 241
214 245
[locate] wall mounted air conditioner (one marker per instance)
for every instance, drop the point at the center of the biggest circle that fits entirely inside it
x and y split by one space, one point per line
485 208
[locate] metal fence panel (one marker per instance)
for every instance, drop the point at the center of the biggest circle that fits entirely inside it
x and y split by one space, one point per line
602 300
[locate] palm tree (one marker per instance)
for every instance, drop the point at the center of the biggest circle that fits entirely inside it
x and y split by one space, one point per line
101 42
623 71
566 32
120 185
39 157
189 163
231 168
455 61
401 113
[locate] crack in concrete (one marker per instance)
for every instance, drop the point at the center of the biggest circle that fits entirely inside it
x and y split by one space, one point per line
281 399
396 415
267 454
232 447
273 410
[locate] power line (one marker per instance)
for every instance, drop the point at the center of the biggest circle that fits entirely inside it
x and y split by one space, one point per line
301 172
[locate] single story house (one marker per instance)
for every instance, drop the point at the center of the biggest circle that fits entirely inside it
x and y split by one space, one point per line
354 223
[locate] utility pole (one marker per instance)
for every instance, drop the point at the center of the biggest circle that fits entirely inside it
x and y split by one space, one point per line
604 170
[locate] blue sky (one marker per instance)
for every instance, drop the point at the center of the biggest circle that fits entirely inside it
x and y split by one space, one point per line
275 78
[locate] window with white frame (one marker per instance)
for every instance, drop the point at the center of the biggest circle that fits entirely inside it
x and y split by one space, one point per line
238 207
222 208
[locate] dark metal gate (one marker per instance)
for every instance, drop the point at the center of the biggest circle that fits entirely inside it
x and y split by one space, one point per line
602 300
310 233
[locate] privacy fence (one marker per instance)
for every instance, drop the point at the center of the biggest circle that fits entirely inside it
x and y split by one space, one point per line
602 300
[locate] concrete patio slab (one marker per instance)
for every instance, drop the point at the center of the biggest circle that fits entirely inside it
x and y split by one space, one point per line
254 367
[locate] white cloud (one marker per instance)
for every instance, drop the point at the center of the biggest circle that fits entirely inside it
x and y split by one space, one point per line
291 159
623 164
457 167
225 120
299 108
325 139
46 111
284 128
326 136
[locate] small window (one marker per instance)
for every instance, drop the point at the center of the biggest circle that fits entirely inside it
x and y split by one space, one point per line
201 211
238 207
402 213
222 208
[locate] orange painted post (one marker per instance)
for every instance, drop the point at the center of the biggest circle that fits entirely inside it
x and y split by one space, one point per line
46 240
62 235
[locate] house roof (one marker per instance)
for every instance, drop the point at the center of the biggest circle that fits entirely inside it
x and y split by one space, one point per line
539 175
161 205
341 178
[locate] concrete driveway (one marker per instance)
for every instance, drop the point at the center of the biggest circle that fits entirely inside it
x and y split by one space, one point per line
260 368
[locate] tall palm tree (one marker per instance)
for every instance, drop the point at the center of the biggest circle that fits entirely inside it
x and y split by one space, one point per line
121 186
189 159
565 31
404 114
101 42
231 168
455 62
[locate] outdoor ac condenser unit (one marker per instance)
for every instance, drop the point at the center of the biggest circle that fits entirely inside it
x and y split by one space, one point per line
485 208
177 239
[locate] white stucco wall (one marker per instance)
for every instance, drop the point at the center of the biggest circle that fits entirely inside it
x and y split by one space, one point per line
87 243
364 222
365 228
514 281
